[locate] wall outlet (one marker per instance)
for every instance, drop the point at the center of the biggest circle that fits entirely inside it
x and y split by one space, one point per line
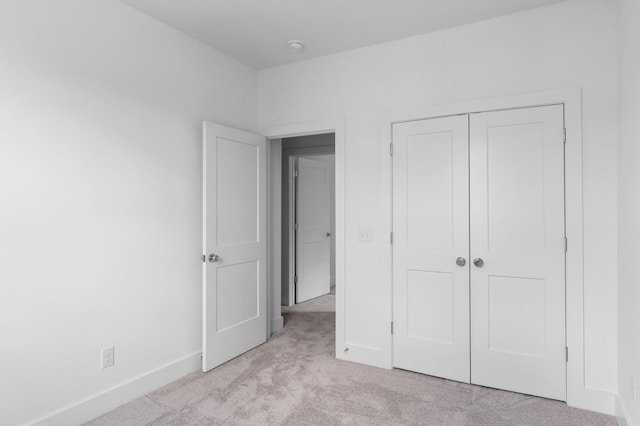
634 389
107 357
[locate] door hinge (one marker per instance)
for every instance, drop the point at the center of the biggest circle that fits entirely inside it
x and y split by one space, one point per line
296 173
567 353
391 149
295 226
566 245
391 238
391 327
564 135
295 279
203 257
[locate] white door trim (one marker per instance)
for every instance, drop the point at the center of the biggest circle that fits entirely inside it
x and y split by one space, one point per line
335 126
292 230
578 393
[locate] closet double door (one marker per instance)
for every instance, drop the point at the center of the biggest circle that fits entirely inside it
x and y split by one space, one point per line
479 249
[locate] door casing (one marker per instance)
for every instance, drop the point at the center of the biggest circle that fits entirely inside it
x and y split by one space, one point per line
287 215
578 393
337 127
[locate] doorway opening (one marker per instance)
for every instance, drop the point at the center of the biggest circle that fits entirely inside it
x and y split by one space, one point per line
309 135
308 249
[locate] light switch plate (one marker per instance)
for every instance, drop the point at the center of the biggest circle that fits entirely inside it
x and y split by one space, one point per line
365 235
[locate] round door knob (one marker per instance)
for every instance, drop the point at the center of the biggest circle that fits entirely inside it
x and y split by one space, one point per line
461 261
478 262
214 258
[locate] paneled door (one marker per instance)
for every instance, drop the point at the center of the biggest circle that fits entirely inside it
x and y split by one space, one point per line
479 249
313 235
518 251
431 247
234 243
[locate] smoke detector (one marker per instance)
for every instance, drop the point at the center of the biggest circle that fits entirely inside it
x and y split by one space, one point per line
296 45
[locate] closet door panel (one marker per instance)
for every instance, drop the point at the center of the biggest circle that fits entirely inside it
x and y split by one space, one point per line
430 228
517 229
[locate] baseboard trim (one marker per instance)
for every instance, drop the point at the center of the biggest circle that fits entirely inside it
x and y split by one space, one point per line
622 414
103 402
277 324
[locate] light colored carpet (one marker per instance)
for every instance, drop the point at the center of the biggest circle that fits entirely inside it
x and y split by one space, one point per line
326 303
294 379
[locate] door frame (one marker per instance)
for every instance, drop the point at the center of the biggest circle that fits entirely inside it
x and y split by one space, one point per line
292 230
578 393
337 127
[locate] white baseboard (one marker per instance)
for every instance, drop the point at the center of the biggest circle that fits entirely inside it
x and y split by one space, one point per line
277 324
622 414
103 402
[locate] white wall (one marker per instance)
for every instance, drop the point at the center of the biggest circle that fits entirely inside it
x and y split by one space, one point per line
100 182
629 208
561 46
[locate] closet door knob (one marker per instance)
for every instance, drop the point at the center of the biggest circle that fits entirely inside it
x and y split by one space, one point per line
461 261
478 262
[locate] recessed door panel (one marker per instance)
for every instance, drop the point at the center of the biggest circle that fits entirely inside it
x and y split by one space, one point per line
237 294
517 315
515 187
430 306
237 214
430 229
517 229
429 196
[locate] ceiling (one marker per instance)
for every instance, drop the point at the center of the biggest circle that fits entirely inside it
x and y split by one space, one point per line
256 32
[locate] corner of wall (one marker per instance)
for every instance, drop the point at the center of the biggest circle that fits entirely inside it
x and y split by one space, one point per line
277 324
622 414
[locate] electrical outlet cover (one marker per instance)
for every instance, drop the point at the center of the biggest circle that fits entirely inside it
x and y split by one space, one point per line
108 357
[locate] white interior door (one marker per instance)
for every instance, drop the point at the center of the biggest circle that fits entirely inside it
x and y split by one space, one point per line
313 236
517 229
430 232
234 271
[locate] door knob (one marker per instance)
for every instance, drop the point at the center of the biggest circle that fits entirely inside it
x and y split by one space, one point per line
478 262
214 258
328 234
461 261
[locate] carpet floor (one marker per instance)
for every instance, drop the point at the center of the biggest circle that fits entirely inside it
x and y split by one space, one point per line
294 379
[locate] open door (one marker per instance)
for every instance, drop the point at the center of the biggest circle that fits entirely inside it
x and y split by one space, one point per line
313 235
234 242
